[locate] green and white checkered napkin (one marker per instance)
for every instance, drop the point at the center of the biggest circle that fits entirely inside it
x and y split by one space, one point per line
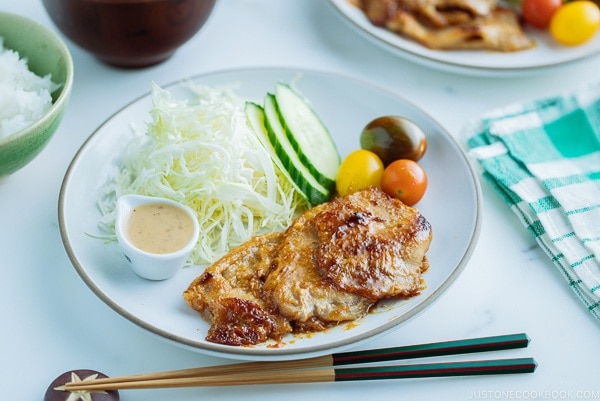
543 157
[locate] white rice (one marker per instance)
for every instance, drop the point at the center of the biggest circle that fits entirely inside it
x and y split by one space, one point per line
24 96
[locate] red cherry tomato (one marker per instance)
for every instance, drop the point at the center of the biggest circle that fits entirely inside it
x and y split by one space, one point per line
538 13
406 180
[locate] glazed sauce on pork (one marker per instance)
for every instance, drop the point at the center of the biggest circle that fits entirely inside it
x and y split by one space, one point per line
332 265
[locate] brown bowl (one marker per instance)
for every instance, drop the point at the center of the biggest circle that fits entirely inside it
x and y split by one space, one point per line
129 33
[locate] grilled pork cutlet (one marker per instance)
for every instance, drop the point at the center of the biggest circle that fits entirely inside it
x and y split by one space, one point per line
435 13
228 294
450 24
500 30
373 245
333 264
296 288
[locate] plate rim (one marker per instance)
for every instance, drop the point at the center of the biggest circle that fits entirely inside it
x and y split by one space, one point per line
248 353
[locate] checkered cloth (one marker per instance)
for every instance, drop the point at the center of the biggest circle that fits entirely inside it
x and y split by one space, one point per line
543 157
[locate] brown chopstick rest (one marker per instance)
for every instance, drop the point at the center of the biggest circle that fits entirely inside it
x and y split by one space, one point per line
56 392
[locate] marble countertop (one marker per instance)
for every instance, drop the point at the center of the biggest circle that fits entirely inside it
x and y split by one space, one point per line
52 322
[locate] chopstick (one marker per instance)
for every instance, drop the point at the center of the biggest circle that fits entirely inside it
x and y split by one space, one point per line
305 370
455 347
469 368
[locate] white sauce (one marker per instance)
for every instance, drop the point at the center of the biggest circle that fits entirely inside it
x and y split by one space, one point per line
159 228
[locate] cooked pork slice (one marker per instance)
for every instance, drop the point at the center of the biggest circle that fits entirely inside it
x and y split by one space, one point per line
451 24
296 288
379 11
373 245
431 12
333 264
435 13
228 294
500 30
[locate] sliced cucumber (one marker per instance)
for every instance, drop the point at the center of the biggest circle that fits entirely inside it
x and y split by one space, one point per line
307 134
256 117
300 174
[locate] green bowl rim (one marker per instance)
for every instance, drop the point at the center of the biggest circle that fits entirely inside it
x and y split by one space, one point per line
57 105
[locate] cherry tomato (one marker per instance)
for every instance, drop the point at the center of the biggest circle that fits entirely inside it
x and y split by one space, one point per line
406 180
538 13
575 23
393 138
359 170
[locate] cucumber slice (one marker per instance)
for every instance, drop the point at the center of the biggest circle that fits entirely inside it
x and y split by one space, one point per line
315 192
307 134
256 118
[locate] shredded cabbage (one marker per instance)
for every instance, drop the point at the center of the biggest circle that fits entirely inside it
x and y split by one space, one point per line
202 152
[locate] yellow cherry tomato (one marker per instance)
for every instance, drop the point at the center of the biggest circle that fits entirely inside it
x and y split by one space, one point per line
359 170
575 22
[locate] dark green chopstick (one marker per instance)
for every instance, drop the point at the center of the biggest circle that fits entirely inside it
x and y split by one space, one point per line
470 368
483 344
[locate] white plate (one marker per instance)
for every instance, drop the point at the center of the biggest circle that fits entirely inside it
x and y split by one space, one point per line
452 205
548 54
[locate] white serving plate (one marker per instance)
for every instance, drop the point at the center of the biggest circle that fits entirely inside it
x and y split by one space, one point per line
452 204
548 54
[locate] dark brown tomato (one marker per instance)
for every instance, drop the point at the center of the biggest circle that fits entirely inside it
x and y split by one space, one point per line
393 138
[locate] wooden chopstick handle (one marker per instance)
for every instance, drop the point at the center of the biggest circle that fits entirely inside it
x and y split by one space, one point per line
229 369
238 379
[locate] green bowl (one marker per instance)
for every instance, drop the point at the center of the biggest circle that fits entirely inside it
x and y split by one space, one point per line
46 54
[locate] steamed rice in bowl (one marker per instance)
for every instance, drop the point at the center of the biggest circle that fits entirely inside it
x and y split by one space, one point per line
30 52
24 96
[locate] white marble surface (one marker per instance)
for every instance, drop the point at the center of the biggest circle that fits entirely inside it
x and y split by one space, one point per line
51 322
